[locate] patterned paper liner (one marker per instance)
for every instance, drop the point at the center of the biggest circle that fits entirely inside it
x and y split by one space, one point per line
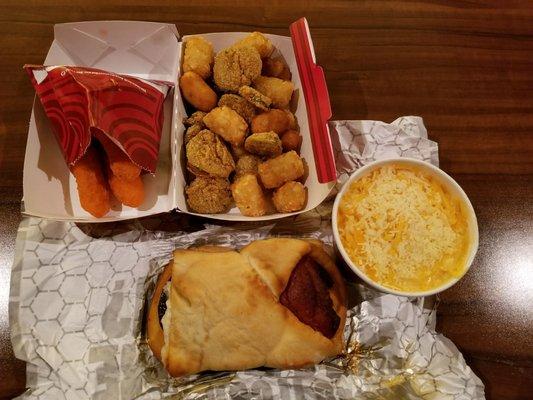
78 293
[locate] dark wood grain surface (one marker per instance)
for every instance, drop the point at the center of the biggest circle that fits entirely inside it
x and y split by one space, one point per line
465 66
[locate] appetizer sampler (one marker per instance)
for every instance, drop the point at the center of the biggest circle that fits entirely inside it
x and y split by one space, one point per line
404 229
242 141
276 303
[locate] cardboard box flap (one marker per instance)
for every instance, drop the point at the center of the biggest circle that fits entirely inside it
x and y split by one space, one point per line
144 49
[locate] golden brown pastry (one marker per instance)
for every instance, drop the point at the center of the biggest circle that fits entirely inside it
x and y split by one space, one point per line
277 303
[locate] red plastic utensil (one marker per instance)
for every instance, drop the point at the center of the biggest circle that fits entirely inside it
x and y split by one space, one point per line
317 100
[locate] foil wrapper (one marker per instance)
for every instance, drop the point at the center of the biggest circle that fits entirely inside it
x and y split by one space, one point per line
79 293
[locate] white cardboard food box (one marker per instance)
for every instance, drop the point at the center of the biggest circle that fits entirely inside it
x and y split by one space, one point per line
145 50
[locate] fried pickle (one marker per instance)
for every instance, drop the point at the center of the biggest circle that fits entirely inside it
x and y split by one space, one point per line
284 168
238 104
255 97
227 123
290 197
258 41
206 152
235 67
264 144
209 195
273 120
249 196
192 131
247 164
197 92
198 56
278 90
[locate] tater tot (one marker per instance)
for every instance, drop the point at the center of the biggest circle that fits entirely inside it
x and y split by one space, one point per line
249 196
227 124
290 197
197 92
284 168
198 56
277 68
278 90
119 162
259 41
291 140
92 186
273 120
129 193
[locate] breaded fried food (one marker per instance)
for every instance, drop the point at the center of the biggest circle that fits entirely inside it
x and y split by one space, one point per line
227 123
238 151
258 41
118 160
277 68
291 140
264 144
257 99
284 168
238 104
249 196
235 67
92 185
129 193
274 120
197 92
198 56
247 164
278 90
195 118
290 197
192 131
209 195
206 152
293 122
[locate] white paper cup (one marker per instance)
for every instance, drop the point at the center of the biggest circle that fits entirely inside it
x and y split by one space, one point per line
448 182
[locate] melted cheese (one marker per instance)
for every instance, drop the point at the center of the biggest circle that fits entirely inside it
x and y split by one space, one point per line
403 229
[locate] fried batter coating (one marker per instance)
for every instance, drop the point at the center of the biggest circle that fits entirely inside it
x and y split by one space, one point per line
92 186
198 56
290 197
238 104
294 123
235 67
129 193
277 68
278 90
192 131
247 164
284 168
118 160
197 92
206 152
273 120
238 151
195 118
258 41
291 140
255 97
227 123
208 195
264 144
249 196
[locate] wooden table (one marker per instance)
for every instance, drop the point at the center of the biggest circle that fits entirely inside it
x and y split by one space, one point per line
465 66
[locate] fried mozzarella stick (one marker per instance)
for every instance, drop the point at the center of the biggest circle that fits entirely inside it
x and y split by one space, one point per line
129 193
92 186
119 162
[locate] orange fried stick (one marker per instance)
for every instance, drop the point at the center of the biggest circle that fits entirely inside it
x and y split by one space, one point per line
129 193
92 186
119 162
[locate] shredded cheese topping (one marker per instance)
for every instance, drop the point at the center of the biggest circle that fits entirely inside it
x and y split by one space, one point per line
404 229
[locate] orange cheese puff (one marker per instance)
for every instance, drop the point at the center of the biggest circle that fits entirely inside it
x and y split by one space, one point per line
120 164
92 186
129 193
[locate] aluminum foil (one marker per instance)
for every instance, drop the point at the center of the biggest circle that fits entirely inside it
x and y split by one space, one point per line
79 292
